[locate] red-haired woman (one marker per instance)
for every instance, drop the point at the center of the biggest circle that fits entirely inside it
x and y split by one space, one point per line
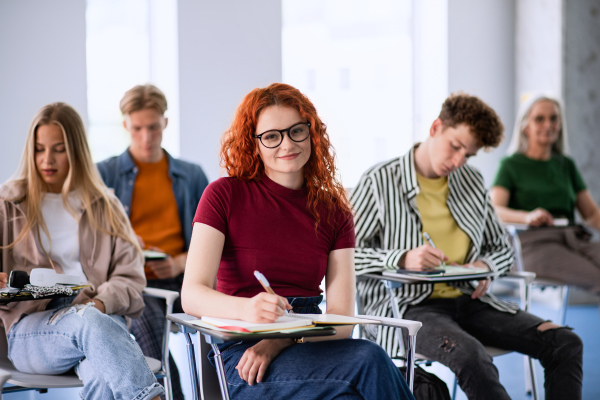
282 211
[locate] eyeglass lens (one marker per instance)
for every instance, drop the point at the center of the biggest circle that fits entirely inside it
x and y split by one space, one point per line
297 133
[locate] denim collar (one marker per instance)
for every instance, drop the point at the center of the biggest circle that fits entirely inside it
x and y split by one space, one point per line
127 165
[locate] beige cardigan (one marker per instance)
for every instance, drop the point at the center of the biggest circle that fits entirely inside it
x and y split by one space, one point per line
113 266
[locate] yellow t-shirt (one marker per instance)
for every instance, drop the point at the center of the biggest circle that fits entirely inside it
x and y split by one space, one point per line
442 227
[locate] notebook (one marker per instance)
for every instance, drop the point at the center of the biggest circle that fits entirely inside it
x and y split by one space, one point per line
446 270
288 321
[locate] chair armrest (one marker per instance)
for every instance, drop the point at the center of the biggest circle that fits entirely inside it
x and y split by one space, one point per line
4 376
169 295
412 326
526 276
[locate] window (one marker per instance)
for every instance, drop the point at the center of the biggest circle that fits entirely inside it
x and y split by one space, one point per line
359 64
129 42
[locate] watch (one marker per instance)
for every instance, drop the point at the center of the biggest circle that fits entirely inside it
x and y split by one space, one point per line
298 340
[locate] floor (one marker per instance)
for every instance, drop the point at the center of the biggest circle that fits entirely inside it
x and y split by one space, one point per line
585 319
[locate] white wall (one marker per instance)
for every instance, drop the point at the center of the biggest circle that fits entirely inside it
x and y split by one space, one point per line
42 60
481 62
226 49
539 47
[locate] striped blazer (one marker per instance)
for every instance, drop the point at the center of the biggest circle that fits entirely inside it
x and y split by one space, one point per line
388 224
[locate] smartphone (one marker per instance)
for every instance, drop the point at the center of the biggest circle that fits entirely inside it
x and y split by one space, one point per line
150 255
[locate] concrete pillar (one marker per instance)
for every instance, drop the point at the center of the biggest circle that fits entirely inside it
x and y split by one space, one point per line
581 66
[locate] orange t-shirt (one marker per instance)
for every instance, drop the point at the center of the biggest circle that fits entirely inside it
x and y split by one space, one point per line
154 215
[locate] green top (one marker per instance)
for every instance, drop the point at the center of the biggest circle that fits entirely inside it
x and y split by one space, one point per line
552 184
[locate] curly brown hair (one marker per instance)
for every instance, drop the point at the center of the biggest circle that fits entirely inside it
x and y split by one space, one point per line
484 123
240 158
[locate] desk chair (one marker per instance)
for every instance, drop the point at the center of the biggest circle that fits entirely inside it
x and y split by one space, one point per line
542 283
525 279
210 384
42 383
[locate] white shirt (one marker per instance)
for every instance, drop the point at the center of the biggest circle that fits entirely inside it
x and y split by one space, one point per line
63 228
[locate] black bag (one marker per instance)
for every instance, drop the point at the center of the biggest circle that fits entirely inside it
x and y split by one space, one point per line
428 386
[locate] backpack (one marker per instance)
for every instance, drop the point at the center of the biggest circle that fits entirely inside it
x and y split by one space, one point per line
428 386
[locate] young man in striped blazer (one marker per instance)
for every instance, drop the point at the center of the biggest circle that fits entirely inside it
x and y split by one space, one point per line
432 189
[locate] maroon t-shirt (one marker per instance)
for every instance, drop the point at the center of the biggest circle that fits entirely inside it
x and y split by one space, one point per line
268 228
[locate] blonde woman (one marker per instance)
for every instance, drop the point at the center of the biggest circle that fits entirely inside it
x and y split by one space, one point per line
537 184
58 214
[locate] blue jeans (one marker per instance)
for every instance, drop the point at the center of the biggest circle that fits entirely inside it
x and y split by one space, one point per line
336 369
455 331
98 346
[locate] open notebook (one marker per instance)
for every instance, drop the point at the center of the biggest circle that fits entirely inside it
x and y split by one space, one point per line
288 321
446 270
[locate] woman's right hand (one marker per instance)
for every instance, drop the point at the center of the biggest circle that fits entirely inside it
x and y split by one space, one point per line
423 257
539 217
265 308
3 279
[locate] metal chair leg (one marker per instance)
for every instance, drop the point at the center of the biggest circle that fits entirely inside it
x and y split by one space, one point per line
192 362
221 372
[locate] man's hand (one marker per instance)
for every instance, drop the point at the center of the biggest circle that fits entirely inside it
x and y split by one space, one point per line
3 279
422 258
162 269
484 284
169 267
256 359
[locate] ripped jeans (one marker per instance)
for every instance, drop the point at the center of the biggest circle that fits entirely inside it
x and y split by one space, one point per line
98 346
455 331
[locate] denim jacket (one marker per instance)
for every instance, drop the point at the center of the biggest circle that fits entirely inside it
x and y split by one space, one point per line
189 181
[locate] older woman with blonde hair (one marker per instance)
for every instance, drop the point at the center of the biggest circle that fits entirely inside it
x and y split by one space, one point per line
57 214
540 186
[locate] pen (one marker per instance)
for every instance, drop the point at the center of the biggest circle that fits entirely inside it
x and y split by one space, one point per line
265 283
428 238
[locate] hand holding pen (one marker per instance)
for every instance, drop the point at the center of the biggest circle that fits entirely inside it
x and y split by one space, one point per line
423 258
267 286
428 238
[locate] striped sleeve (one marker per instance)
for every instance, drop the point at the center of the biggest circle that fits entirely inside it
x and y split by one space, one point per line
368 254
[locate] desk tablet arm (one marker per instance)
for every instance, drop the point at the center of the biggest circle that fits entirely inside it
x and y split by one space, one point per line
412 327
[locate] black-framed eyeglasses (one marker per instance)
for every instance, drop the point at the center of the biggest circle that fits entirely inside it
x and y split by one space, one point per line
297 133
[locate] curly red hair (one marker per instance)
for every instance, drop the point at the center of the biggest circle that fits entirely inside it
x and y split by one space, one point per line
240 157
